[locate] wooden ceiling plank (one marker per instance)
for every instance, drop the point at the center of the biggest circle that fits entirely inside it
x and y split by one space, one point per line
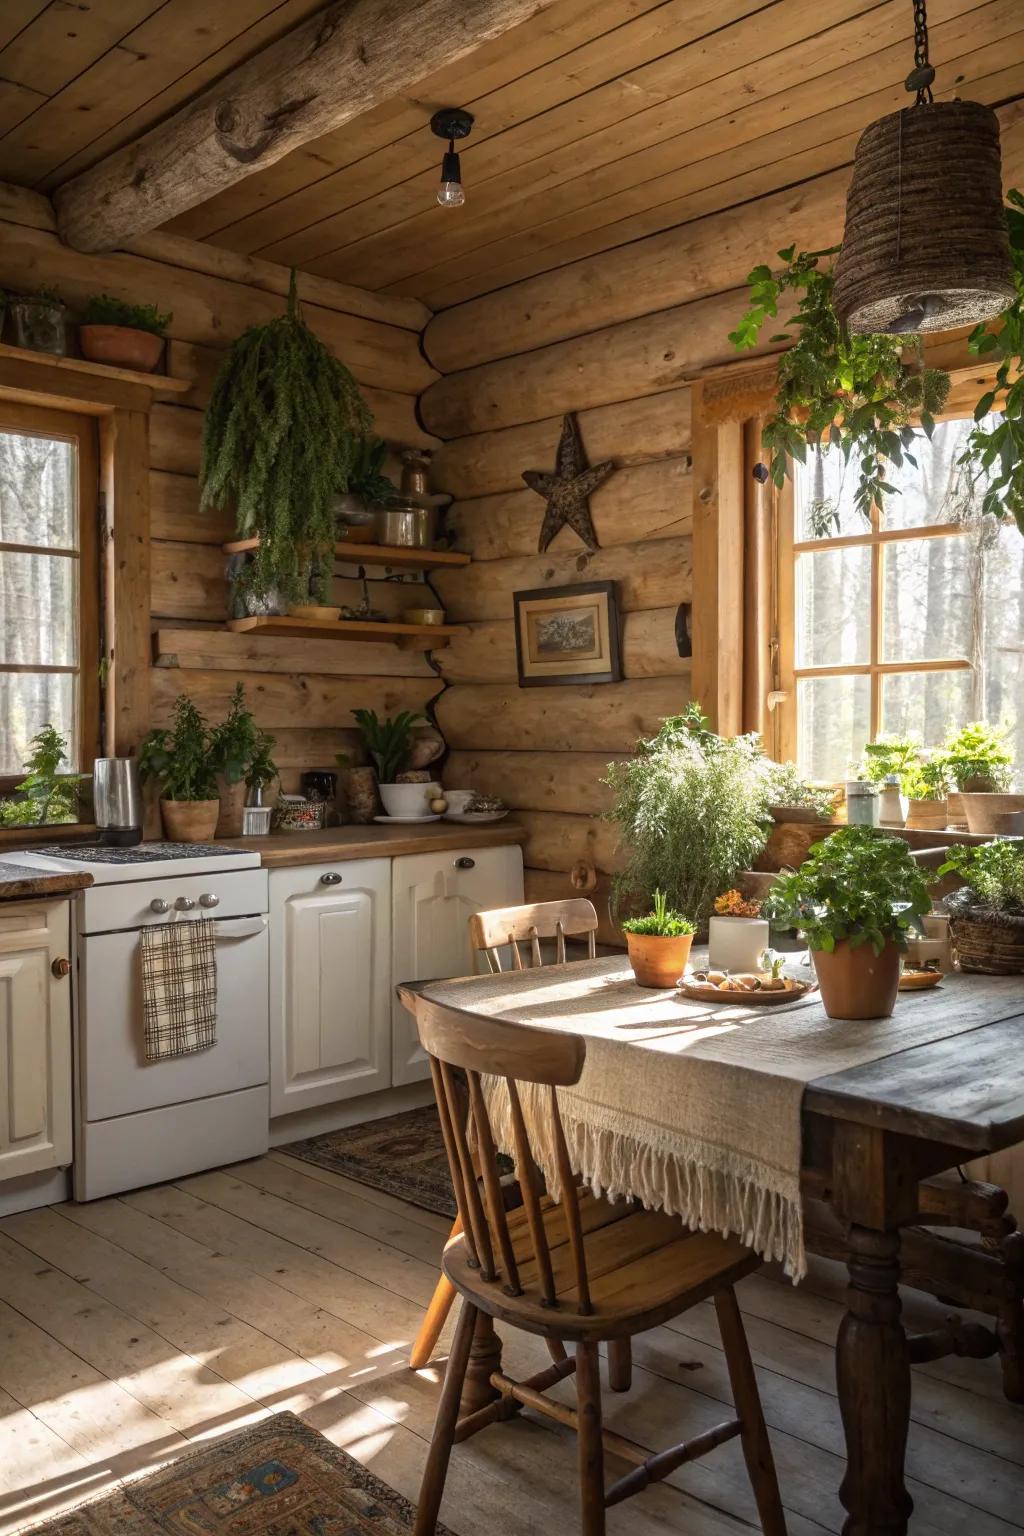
17 103
609 207
341 62
594 62
16 15
153 54
551 34
788 76
623 101
64 40
279 19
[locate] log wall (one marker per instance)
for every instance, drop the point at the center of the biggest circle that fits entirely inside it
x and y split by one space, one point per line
302 691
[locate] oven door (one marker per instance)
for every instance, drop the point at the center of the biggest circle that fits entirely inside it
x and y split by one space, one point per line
114 1076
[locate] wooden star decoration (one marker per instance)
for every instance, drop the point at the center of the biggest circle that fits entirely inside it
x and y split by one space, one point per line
568 491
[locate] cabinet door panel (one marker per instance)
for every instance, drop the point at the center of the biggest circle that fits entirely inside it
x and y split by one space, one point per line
329 984
35 1042
433 897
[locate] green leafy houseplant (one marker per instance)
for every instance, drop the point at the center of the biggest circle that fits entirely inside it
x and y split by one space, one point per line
855 887
389 741
899 755
660 923
49 796
279 443
691 808
238 744
977 758
927 780
788 787
367 479
994 875
184 758
102 309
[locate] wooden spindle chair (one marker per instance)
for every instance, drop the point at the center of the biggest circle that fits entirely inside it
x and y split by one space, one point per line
577 1268
506 928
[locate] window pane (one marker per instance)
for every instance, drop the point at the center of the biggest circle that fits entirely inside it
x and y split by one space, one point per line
38 610
833 607
928 611
833 715
929 492
926 705
997 693
38 491
824 487
28 701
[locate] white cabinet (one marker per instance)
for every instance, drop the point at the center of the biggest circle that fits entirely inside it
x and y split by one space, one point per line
35 1038
330 1005
433 896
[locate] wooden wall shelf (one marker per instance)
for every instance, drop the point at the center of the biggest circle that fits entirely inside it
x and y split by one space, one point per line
159 383
400 559
409 637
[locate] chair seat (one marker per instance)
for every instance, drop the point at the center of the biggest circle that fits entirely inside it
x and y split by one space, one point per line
644 1267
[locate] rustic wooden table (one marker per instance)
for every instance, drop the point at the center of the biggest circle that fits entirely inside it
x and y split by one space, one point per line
870 1134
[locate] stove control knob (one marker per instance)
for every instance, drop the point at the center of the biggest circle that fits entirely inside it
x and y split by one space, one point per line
61 967
209 900
184 904
159 906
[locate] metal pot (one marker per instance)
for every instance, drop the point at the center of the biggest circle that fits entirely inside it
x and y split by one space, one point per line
406 527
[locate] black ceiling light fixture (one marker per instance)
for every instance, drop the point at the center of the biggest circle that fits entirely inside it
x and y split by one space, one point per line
926 245
451 123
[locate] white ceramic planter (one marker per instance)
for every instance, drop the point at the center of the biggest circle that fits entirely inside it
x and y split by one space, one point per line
408 799
736 943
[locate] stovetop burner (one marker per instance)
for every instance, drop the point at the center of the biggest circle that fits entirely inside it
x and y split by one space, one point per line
93 853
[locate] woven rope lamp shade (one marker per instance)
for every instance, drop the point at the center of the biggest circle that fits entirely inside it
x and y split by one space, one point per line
926 246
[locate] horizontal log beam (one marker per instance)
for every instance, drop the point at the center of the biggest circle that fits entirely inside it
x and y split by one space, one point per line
549 885
222 650
536 781
343 61
559 840
292 699
604 717
487 653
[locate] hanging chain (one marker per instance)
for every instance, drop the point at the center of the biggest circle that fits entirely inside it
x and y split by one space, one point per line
921 76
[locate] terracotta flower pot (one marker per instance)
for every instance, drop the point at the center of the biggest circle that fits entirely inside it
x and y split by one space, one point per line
190 821
658 961
927 815
984 810
121 346
857 983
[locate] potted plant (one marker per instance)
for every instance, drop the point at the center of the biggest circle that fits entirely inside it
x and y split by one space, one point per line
368 487
49 797
792 798
279 444
262 770
658 944
241 758
979 763
389 742
854 899
927 787
737 933
987 913
122 335
40 321
184 759
691 808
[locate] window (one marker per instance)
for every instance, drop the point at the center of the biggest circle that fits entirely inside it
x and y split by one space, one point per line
912 626
49 626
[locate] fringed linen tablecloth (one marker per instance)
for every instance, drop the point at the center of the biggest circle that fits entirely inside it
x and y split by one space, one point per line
691 1108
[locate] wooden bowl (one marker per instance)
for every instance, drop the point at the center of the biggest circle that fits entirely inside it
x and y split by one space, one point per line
423 615
322 613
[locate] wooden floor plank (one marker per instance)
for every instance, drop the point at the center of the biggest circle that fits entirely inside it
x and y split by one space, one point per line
364 1192
39 1472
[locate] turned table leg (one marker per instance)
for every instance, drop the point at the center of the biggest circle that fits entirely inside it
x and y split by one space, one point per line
484 1358
873 1376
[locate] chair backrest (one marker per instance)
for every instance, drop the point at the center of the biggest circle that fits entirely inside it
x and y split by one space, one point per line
517 1053
558 920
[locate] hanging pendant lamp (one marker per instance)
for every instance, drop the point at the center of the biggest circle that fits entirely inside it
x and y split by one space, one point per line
926 246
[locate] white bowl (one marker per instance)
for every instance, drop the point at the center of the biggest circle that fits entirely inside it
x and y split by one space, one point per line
458 799
408 799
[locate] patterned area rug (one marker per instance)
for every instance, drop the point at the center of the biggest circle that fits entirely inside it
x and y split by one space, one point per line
403 1155
279 1478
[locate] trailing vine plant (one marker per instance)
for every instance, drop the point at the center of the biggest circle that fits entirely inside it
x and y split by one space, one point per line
280 440
857 393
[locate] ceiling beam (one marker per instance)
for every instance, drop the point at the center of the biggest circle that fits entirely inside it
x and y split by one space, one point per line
340 63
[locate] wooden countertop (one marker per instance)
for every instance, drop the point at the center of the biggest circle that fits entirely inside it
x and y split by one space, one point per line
18 881
334 844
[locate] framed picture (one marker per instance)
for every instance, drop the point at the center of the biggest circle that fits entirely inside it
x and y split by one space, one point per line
568 635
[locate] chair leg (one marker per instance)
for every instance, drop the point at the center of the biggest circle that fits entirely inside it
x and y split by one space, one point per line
620 1365
435 1316
436 1470
590 1446
757 1450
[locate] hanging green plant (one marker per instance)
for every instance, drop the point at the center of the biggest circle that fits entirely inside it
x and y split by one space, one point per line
279 443
857 393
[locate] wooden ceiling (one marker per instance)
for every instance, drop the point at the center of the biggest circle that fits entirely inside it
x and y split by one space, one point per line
597 122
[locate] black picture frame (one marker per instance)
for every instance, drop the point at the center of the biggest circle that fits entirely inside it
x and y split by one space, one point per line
534 673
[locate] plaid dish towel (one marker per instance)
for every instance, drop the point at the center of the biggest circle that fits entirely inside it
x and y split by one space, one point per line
179 988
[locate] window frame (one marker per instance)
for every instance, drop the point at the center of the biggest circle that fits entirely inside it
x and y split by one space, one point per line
81 429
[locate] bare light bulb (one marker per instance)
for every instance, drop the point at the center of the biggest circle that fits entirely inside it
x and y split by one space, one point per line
450 193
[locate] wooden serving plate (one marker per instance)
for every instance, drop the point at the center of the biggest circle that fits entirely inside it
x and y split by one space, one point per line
919 981
708 992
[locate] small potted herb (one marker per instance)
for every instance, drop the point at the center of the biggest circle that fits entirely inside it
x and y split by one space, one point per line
40 321
184 760
658 944
854 899
980 764
368 487
737 933
122 335
794 798
927 787
987 913
48 797
239 747
390 742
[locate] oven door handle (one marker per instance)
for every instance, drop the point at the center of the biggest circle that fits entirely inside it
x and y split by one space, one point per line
239 927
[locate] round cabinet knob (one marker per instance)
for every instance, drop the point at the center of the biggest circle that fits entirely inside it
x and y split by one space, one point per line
184 904
61 967
209 900
330 878
465 863
159 906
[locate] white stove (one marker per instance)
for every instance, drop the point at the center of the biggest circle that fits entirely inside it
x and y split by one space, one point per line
141 1122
